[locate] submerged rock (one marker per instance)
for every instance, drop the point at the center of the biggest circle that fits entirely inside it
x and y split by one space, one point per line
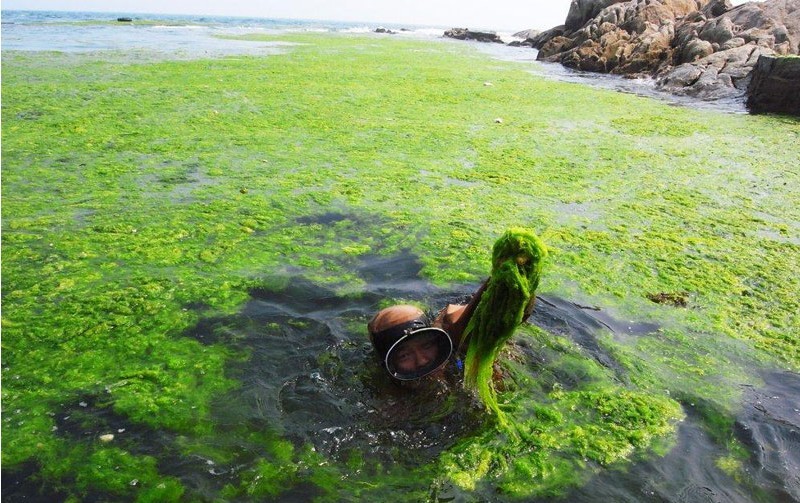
701 48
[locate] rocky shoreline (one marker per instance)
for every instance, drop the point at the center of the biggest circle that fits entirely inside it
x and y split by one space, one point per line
706 49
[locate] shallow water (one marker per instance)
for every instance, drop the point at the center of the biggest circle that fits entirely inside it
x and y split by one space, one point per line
163 35
174 37
178 37
316 380
638 86
311 377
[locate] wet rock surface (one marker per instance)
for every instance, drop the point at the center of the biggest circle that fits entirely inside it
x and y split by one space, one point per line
700 48
775 86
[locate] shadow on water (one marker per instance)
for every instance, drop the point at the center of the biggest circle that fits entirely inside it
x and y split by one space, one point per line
582 324
311 375
768 425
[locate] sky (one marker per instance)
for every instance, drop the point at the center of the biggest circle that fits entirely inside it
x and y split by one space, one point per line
495 14
501 15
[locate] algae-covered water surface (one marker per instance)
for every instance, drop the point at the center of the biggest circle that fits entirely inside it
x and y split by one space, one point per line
192 249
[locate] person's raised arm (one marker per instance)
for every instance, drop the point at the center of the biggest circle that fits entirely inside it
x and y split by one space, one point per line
455 317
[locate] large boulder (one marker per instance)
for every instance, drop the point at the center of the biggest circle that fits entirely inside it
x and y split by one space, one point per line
526 36
775 85
622 37
723 74
722 51
582 11
542 38
719 43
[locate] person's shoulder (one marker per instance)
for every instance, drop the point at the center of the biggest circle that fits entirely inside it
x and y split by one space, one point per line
450 314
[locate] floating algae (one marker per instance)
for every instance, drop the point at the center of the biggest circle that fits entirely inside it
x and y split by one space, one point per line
516 266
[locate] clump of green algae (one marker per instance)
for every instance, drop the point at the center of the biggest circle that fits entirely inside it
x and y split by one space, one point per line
99 287
516 266
564 430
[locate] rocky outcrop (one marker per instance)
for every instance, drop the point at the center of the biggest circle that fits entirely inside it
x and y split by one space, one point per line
527 34
623 37
581 12
525 38
467 34
775 86
703 48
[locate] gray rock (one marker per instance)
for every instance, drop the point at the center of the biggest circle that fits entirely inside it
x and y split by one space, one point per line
541 39
732 44
679 78
775 86
724 74
526 34
694 50
717 30
467 34
716 8
582 11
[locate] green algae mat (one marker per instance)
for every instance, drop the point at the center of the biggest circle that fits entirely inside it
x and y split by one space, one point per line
191 250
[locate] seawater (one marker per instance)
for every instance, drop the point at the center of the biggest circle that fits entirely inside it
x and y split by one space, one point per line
164 34
640 86
184 36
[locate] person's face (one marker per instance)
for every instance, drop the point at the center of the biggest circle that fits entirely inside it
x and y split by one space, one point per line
416 353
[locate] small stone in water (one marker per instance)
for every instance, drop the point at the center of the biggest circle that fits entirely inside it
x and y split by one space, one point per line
108 437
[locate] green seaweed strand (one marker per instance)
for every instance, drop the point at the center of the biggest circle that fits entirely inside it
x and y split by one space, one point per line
516 267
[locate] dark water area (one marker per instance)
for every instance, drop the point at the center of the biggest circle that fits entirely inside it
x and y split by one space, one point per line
312 370
310 377
769 427
314 379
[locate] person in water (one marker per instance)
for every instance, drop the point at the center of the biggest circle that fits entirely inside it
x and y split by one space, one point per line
411 345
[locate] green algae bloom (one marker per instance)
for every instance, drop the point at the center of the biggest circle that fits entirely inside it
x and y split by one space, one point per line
558 437
147 203
516 266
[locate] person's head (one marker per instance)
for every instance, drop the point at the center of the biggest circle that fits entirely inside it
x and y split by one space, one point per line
408 346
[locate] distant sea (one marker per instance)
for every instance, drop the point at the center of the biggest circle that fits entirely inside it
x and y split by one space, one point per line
164 33
190 36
